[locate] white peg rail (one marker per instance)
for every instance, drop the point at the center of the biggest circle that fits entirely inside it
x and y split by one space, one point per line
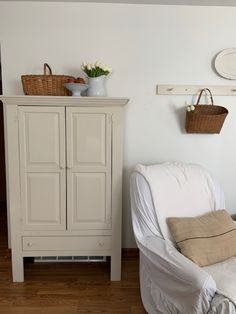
194 89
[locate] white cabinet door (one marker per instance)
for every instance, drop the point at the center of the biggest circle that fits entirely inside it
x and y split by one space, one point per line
42 167
88 168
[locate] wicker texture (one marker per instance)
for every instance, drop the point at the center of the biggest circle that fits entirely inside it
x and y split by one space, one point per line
46 84
205 118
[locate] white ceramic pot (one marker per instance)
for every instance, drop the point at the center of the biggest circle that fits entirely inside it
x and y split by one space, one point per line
96 86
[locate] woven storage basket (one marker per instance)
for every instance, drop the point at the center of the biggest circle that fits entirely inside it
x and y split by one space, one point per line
205 118
46 84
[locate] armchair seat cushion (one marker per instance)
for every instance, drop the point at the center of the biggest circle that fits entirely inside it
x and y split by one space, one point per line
224 275
206 239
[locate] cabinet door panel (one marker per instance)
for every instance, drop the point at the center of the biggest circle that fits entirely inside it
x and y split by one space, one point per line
42 128
89 168
89 139
43 203
89 197
42 171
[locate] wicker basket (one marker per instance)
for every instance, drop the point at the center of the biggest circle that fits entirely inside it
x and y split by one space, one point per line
205 118
46 84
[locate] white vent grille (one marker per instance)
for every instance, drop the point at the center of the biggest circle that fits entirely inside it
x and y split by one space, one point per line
56 259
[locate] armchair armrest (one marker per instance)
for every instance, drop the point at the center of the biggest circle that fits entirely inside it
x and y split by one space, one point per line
182 283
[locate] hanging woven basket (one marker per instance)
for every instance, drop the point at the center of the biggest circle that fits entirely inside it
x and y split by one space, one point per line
205 118
46 84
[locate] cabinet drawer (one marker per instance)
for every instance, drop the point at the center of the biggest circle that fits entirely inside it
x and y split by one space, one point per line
69 243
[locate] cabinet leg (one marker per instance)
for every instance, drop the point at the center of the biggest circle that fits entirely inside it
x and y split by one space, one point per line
17 269
115 268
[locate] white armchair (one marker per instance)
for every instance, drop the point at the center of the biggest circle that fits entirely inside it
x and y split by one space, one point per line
171 283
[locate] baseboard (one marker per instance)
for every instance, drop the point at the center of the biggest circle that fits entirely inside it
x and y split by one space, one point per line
130 252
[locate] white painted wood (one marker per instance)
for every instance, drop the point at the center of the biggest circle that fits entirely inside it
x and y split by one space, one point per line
42 167
64 252
64 101
89 201
89 168
36 146
157 2
7 178
195 89
102 232
66 243
88 138
13 183
117 170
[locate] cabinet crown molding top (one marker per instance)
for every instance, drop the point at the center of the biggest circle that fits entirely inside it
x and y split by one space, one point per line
63 101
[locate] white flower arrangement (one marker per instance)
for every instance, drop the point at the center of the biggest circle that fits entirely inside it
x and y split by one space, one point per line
96 69
190 108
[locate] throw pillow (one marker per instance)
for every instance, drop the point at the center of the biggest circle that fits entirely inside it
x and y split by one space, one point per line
206 239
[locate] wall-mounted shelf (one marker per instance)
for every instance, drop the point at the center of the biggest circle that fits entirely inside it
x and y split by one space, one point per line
194 89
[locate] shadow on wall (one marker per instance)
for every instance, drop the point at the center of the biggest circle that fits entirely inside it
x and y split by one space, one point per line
127 228
2 151
180 115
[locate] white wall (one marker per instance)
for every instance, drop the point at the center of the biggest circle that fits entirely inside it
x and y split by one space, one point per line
146 45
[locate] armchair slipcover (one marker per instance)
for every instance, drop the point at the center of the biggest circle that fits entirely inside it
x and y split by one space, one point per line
171 283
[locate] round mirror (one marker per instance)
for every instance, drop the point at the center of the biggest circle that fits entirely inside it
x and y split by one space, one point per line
225 63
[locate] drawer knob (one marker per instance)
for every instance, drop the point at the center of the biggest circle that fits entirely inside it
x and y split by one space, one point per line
30 244
101 244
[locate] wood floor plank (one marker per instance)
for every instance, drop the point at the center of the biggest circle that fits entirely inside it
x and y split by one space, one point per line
68 288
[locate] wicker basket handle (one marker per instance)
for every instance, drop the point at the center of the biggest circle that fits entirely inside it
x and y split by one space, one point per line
47 67
200 95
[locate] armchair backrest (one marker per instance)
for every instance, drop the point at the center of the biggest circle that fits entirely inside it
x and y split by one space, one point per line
176 190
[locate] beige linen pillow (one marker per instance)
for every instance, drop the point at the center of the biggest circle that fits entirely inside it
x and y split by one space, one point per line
206 239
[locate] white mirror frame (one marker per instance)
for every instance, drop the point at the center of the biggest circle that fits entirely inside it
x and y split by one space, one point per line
225 63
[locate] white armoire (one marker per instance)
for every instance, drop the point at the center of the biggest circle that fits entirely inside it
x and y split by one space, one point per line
64 177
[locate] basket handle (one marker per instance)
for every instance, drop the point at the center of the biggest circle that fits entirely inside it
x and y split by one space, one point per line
200 95
47 67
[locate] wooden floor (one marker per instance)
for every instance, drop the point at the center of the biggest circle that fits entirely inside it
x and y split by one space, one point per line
67 288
